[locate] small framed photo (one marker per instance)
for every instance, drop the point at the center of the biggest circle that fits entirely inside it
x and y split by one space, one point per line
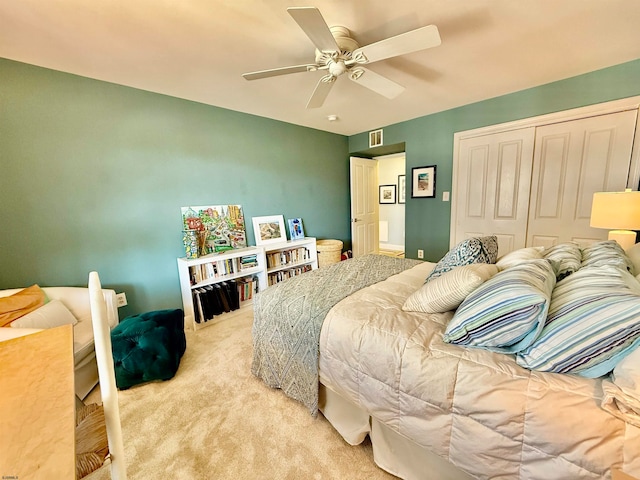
402 188
269 229
423 182
296 230
387 194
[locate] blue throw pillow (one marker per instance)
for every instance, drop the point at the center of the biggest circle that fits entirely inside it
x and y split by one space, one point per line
593 323
507 312
471 250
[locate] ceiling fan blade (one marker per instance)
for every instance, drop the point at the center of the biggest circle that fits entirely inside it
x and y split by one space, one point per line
274 72
419 39
322 90
311 21
376 82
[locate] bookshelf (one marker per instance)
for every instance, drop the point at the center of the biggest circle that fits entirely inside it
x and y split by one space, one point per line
217 285
241 273
287 259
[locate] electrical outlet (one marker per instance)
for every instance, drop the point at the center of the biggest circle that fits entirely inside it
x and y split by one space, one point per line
121 299
420 253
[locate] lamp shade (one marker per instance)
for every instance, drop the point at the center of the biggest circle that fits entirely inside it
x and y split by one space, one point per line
616 210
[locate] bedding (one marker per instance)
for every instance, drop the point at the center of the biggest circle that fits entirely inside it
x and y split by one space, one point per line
478 409
288 317
622 392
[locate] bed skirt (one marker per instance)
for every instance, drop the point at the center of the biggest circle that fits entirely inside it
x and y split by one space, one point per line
392 452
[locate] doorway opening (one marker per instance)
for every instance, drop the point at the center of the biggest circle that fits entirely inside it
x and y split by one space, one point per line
391 177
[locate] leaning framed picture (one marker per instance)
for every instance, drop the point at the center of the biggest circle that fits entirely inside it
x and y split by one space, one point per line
423 182
296 230
402 188
387 194
269 229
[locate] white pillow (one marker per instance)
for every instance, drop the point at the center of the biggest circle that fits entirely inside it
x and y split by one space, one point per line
516 257
626 375
446 292
50 315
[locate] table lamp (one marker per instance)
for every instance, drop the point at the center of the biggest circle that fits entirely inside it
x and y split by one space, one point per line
620 213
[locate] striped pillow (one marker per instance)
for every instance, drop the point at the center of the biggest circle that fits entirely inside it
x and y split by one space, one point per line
447 291
467 252
608 252
593 322
518 256
566 258
506 313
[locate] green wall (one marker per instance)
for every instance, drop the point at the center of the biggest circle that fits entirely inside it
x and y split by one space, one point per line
94 175
429 140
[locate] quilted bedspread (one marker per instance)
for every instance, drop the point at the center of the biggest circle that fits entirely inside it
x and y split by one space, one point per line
477 409
288 317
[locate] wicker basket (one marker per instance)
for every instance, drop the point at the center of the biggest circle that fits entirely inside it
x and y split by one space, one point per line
329 251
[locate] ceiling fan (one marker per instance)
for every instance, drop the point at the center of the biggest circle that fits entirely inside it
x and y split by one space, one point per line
337 53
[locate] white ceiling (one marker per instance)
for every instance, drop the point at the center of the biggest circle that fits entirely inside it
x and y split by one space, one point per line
198 49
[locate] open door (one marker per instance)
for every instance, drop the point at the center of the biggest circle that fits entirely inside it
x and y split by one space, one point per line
364 206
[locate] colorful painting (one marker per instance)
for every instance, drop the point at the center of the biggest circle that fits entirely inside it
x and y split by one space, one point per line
219 227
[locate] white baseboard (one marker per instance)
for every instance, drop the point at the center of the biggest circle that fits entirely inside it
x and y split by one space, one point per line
390 246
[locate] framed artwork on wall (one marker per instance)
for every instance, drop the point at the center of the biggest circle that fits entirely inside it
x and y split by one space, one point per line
387 194
269 229
402 188
296 230
423 182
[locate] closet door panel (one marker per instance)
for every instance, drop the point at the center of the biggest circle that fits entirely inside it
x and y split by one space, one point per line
572 161
551 178
492 188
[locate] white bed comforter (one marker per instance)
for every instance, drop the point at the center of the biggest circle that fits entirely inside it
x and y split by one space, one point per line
477 409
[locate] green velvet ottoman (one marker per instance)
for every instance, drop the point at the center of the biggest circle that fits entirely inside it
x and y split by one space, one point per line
148 347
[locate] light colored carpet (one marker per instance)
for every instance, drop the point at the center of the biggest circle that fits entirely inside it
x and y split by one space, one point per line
215 420
391 253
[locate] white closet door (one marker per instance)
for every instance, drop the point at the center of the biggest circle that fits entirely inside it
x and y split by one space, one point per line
492 183
572 160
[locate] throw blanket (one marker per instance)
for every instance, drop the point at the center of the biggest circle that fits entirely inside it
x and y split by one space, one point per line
289 315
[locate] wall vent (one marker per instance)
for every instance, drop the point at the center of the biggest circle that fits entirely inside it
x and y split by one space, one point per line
375 138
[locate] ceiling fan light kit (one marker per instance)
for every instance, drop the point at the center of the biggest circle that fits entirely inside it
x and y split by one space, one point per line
338 53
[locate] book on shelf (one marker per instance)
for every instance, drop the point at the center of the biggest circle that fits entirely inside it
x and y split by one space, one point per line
248 261
287 257
247 287
213 300
220 268
280 276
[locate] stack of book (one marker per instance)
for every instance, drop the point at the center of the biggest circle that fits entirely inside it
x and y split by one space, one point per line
248 261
